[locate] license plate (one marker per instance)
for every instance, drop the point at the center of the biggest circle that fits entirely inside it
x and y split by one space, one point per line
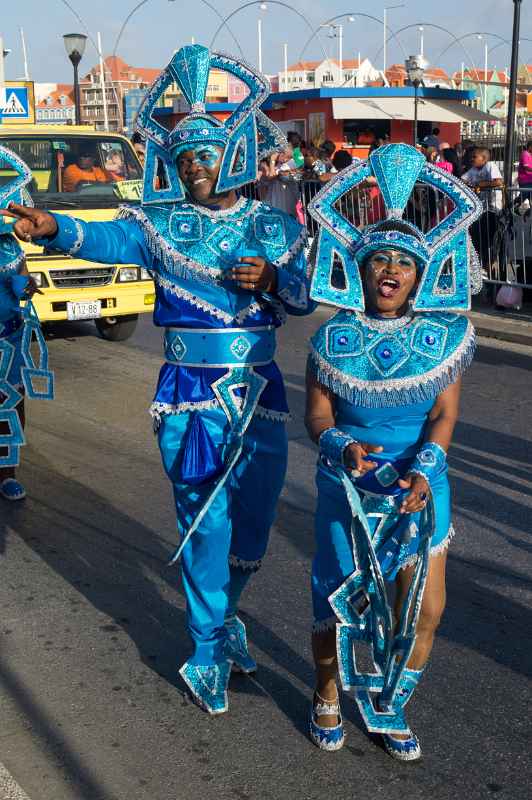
88 310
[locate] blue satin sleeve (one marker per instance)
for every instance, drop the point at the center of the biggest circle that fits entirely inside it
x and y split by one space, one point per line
116 242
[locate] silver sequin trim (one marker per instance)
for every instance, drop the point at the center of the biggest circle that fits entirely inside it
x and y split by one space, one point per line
395 384
80 237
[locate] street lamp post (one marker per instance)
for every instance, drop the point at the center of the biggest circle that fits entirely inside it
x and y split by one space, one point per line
415 69
510 125
75 47
262 7
385 33
337 32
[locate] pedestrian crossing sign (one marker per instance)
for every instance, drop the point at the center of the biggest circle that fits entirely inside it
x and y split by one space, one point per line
17 103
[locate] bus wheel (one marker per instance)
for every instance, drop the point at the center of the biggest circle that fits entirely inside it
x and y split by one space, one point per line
116 329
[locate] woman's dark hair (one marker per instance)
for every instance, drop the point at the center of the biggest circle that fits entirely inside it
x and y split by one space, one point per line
529 144
341 159
449 154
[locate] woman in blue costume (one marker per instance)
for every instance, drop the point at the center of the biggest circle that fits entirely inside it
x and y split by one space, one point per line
383 395
226 271
18 326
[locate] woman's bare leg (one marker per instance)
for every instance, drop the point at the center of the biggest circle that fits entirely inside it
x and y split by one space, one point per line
324 652
432 607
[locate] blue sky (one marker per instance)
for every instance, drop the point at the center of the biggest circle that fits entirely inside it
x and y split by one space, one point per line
161 26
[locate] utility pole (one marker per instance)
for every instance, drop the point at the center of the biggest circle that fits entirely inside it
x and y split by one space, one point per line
259 34
510 124
2 73
102 85
341 52
24 55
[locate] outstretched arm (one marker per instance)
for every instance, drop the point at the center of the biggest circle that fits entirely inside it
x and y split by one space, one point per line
117 242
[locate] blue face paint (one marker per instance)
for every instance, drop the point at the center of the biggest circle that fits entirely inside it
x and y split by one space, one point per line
204 156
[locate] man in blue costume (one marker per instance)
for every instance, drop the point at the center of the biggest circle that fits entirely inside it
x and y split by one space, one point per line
383 395
20 375
226 270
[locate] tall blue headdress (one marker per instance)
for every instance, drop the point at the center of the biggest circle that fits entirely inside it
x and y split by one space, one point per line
14 190
444 253
246 136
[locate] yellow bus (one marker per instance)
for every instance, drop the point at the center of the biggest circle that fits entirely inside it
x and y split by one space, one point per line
77 170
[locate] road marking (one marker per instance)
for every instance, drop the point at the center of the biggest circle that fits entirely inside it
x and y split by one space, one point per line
9 788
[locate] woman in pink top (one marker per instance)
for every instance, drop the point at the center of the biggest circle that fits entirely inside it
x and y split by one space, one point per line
433 157
524 173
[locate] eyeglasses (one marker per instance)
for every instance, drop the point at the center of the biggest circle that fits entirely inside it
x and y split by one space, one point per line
381 260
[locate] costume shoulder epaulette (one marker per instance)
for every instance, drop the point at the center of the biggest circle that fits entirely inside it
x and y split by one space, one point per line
388 362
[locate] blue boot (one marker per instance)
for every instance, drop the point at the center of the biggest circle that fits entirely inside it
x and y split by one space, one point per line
326 738
404 749
208 685
236 646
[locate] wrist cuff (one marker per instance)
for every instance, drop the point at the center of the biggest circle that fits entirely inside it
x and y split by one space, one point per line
332 443
430 461
68 237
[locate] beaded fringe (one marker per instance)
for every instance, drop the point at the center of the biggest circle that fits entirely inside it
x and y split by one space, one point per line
365 394
176 263
434 551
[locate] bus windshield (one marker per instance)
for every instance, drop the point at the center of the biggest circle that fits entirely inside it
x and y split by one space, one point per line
76 171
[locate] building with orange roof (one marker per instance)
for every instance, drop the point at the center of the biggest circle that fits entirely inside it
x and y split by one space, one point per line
491 88
56 105
119 78
436 77
353 72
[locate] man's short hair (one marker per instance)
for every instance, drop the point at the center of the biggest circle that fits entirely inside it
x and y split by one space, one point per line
435 131
484 150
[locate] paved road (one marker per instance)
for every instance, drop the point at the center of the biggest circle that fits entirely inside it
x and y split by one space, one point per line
92 626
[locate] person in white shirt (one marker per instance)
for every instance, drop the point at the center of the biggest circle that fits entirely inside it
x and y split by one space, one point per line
280 181
484 177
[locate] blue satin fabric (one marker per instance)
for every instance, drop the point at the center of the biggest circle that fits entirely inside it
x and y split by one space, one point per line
193 385
10 296
172 311
125 242
200 461
333 560
12 286
237 523
400 431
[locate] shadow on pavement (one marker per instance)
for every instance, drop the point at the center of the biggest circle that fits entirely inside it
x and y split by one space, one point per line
51 739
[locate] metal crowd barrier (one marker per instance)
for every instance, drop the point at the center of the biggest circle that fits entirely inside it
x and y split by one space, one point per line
502 236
